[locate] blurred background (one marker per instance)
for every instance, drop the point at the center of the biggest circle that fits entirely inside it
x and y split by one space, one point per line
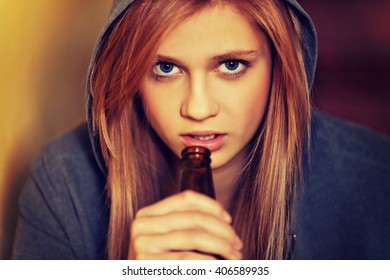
353 73
45 47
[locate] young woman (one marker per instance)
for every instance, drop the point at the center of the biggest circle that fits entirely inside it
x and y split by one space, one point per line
232 76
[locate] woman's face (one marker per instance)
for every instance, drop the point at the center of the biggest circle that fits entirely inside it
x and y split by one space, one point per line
209 84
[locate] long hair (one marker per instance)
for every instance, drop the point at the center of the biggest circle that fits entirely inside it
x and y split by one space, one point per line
138 162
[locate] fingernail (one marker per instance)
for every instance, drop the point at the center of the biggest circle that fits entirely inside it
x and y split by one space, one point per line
226 216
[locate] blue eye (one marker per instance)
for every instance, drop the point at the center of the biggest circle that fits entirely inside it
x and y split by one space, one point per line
165 69
232 66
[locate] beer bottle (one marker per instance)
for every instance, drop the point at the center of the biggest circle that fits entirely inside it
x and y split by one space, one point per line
196 173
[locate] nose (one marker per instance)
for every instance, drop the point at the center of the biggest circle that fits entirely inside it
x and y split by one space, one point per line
199 103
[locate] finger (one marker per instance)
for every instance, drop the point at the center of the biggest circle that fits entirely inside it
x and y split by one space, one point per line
150 225
186 201
182 255
186 240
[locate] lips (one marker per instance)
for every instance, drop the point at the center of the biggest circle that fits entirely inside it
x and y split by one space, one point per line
208 139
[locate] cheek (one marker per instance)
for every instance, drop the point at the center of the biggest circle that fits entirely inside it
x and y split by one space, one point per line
159 102
253 117
160 111
152 110
252 105
155 112
150 100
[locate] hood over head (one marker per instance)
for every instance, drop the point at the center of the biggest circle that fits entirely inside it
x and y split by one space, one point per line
309 46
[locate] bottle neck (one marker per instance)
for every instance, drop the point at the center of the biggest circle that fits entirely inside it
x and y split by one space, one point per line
196 155
196 171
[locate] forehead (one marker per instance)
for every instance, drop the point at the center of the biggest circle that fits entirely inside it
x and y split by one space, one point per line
215 29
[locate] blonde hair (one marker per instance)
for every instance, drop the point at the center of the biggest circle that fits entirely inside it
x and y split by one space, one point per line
137 160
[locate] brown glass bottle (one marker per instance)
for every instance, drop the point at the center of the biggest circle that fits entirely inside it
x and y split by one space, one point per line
196 171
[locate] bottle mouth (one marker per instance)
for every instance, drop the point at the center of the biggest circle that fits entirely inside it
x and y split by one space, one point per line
196 150
197 154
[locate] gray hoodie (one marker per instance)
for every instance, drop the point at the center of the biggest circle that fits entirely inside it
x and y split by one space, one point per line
342 213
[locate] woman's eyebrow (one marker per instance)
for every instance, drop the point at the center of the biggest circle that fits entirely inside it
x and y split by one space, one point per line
219 57
234 54
168 59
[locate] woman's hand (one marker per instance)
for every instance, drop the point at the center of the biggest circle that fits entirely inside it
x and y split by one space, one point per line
187 225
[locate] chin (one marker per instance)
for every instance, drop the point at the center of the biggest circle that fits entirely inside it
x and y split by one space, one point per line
217 163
